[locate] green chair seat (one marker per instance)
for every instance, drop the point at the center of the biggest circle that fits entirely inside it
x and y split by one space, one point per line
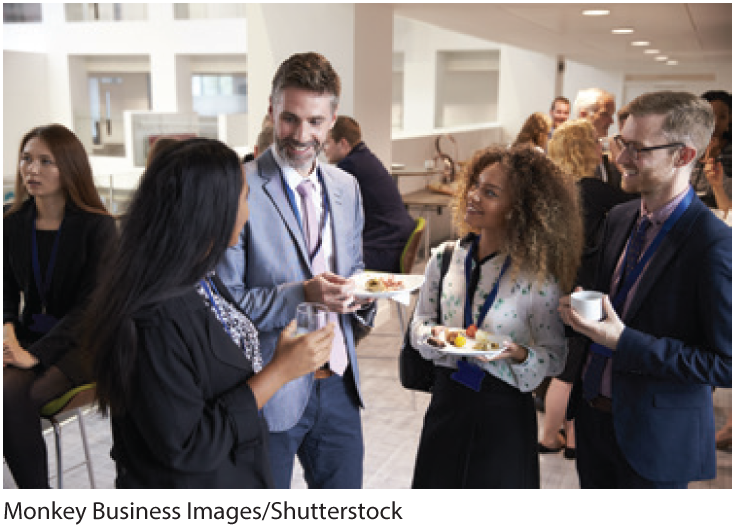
55 406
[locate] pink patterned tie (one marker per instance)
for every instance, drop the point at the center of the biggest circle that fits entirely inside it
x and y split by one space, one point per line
338 356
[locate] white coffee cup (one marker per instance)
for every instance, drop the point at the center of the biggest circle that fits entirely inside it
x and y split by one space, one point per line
588 304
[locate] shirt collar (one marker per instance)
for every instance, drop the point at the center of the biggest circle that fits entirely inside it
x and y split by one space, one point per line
292 177
659 217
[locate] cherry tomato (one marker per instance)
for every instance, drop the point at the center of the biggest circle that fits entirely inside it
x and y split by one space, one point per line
471 331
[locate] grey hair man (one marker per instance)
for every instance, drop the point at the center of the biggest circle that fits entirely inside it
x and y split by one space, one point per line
598 107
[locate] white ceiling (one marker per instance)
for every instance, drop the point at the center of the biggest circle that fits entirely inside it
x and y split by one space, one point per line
698 36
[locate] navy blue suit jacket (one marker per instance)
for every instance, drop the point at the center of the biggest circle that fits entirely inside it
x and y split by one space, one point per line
387 223
676 345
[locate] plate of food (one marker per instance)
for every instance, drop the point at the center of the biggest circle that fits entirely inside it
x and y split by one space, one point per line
376 285
457 341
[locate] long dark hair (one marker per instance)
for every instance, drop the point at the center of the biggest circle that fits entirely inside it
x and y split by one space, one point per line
75 173
176 229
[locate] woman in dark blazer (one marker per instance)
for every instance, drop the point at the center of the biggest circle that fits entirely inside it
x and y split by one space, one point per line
54 237
178 363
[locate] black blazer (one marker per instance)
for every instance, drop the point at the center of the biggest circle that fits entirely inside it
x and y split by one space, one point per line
387 223
85 239
677 344
193 421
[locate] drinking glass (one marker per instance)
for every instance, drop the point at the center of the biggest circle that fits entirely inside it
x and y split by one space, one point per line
310 316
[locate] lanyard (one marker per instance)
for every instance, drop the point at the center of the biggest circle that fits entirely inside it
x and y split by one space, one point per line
43 286
635 273
292 201
490 299
206 283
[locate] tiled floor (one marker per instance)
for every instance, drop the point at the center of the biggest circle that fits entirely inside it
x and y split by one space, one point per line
391 424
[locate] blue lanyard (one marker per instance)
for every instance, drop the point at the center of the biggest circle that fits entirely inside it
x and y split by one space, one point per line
490 299
635 273
206 283
294 207
43 286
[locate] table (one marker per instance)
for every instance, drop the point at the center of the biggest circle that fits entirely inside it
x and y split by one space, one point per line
418 172
425 200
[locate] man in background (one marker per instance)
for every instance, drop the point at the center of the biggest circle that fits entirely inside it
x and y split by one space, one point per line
598 107
387 223
559 112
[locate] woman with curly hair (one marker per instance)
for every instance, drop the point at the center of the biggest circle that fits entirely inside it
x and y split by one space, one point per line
535 131
576 151
520 247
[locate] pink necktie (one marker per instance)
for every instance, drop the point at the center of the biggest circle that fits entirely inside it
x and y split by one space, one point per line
338 356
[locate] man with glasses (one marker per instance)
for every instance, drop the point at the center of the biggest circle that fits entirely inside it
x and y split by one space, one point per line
643 402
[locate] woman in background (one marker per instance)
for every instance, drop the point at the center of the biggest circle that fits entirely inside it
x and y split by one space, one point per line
54 237
522 237
178 364
712 174
575 149
535 131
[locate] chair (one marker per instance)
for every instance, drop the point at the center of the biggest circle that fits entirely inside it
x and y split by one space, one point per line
411 249
408 257
72 400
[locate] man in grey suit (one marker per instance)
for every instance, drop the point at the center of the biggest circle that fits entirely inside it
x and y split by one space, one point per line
303 242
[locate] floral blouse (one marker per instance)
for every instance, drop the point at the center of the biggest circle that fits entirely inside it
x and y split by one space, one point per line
240 328
524 310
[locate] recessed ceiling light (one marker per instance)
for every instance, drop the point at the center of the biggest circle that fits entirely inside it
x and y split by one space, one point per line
640 43
651 51
622 31
672 63
661 58
596 12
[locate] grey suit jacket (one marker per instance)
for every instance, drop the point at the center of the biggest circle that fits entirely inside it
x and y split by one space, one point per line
265 271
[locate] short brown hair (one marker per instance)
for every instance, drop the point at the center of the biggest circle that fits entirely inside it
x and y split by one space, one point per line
560 99
346 128
688 118
308 71
544 231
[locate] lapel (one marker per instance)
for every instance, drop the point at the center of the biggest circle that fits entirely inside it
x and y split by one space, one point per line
338 218
619 234
273 187
666 252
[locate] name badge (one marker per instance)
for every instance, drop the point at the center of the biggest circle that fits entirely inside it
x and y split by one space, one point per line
469 375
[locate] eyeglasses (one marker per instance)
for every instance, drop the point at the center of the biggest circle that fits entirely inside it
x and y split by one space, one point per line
635 152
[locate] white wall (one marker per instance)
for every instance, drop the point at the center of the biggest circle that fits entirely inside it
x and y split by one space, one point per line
526 86
581 76
24 79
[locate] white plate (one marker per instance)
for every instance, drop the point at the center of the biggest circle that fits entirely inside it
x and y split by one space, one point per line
410 283
467 350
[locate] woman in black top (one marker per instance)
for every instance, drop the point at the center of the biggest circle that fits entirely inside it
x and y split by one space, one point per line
54 237
178 364
575 149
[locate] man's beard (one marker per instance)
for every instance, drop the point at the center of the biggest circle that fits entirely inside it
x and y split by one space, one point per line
282 145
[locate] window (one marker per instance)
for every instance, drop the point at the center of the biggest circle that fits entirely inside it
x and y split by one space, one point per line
21 13
215 94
